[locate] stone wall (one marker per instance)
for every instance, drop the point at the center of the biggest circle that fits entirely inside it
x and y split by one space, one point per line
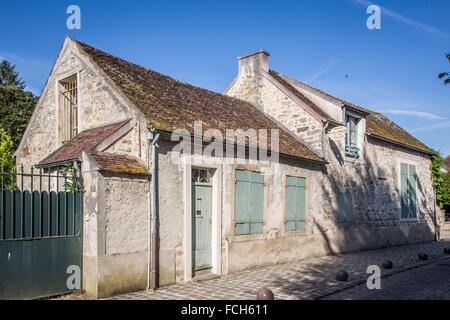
258 90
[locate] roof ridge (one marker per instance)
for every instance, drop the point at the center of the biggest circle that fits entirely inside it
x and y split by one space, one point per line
374 119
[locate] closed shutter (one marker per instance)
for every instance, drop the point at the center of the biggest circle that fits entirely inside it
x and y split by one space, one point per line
295 203
249 202
344 206
408 191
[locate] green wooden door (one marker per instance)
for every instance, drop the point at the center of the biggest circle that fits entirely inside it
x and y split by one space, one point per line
201 228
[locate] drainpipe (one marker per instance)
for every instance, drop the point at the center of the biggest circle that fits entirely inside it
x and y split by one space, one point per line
324 140
153 245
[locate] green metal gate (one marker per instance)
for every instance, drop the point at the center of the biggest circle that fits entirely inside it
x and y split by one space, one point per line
40 234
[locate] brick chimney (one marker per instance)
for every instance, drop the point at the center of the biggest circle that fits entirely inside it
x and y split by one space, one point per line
254 62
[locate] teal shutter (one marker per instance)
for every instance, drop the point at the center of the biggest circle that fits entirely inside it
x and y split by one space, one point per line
404 197
344 206
257 203
249 202
408 191
412 184
295 203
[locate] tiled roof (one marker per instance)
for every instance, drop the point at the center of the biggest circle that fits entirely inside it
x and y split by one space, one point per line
378 125
84 141
116 163
170 104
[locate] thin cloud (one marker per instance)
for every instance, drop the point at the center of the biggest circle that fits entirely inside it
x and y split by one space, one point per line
432 127
408 21
416 114
23 61
323 70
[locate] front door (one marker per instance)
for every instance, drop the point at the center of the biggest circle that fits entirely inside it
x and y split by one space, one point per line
201 219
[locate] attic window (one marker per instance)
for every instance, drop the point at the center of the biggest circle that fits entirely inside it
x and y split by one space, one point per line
69 100
351 139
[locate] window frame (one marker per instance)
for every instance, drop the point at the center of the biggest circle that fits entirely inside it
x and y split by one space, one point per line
348 135
62 136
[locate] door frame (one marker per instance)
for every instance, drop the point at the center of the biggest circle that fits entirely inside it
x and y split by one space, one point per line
216 216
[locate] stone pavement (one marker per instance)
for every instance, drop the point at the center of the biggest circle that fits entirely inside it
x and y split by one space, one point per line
308 279
430 282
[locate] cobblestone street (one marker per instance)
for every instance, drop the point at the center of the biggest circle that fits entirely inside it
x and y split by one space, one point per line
431 282
315 278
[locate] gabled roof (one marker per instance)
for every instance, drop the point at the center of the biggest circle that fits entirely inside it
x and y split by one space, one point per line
117 163
84 141
378 125
169 104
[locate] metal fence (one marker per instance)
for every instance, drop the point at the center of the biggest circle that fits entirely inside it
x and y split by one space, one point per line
38 204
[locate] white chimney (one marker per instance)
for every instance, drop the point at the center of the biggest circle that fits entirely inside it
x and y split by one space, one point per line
254 62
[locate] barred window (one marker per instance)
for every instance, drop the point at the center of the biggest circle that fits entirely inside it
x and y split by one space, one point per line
69 95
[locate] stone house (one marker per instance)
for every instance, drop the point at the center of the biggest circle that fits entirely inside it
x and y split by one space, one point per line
337 177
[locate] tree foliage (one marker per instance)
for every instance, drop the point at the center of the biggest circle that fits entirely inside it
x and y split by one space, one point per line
6 157
16 104
9 77
16 108
445 76
441 180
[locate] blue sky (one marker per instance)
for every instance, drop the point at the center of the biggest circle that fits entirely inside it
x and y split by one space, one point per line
326 43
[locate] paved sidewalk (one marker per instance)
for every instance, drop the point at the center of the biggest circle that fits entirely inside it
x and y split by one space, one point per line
308 279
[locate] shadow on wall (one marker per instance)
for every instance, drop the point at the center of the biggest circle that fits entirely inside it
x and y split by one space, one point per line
362 208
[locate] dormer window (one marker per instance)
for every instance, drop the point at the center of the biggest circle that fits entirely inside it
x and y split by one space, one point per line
351 139
69 108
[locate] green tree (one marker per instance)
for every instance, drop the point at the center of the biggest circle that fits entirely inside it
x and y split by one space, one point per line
445 76
441 181
6 157
16 104
9 77
16 108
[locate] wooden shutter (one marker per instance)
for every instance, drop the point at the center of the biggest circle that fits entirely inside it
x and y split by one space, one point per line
408 191
404 191
344 206
412 192
295 203
249 202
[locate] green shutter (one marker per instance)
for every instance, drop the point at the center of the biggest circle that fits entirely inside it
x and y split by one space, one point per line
408 191
412 183
249 202
344 206
295 203
242 202
404 198
257 203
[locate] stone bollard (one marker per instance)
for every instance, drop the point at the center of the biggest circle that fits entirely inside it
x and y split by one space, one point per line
265 294
422 256
342 275
387 264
